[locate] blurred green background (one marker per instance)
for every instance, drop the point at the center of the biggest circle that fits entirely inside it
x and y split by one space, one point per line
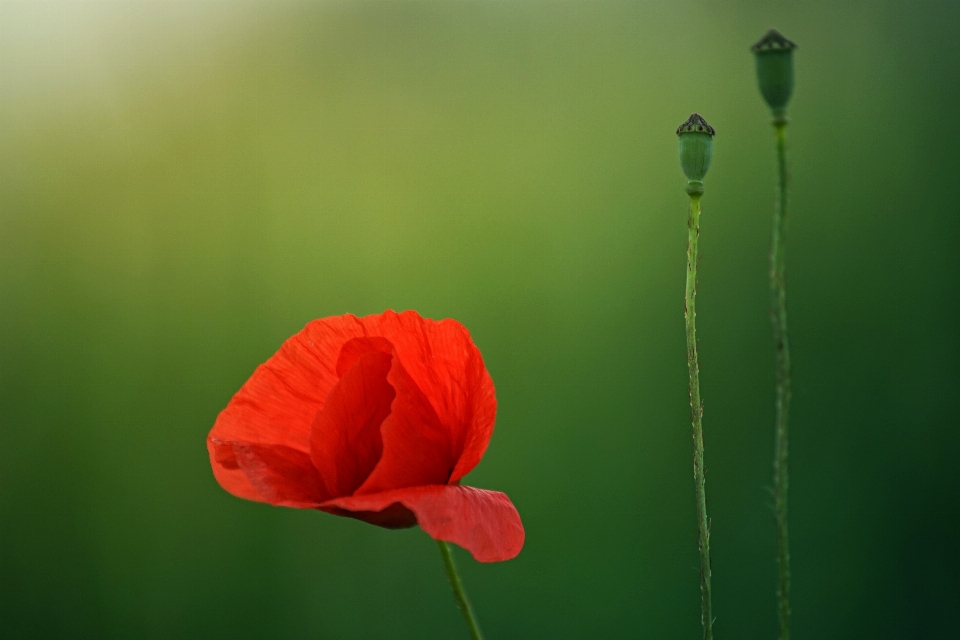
183 185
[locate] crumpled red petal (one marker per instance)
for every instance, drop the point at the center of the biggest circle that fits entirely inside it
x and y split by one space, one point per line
345 440
485 523
280 475
416 446
228 473
278 403
447 367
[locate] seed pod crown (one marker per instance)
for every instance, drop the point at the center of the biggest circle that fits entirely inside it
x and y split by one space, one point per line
695 124
773 40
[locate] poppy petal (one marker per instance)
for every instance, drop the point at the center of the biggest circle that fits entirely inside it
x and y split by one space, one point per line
485 523
278 403
446 366
353 349
416 445
228 473
281 475
345 441
394 516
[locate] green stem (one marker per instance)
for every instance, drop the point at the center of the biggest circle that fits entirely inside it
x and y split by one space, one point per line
696 410
458 593
779 315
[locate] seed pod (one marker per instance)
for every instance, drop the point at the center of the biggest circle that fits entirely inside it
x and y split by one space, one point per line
696 147
774 57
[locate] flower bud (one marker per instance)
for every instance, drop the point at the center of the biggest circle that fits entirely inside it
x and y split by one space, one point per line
774 56
696 148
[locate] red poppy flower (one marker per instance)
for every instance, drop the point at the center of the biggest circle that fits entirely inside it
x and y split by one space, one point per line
375 418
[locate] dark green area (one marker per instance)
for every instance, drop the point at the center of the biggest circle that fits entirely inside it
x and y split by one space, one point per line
183 186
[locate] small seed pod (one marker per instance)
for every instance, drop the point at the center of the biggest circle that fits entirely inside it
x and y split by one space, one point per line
774 56
696 148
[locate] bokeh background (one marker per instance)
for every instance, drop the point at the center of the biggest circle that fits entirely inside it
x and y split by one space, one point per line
183 185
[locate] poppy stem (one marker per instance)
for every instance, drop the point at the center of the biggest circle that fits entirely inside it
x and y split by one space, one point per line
458 594
779 316
696 410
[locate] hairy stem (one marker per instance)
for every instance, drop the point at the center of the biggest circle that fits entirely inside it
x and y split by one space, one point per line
696 410
458 594
779 315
